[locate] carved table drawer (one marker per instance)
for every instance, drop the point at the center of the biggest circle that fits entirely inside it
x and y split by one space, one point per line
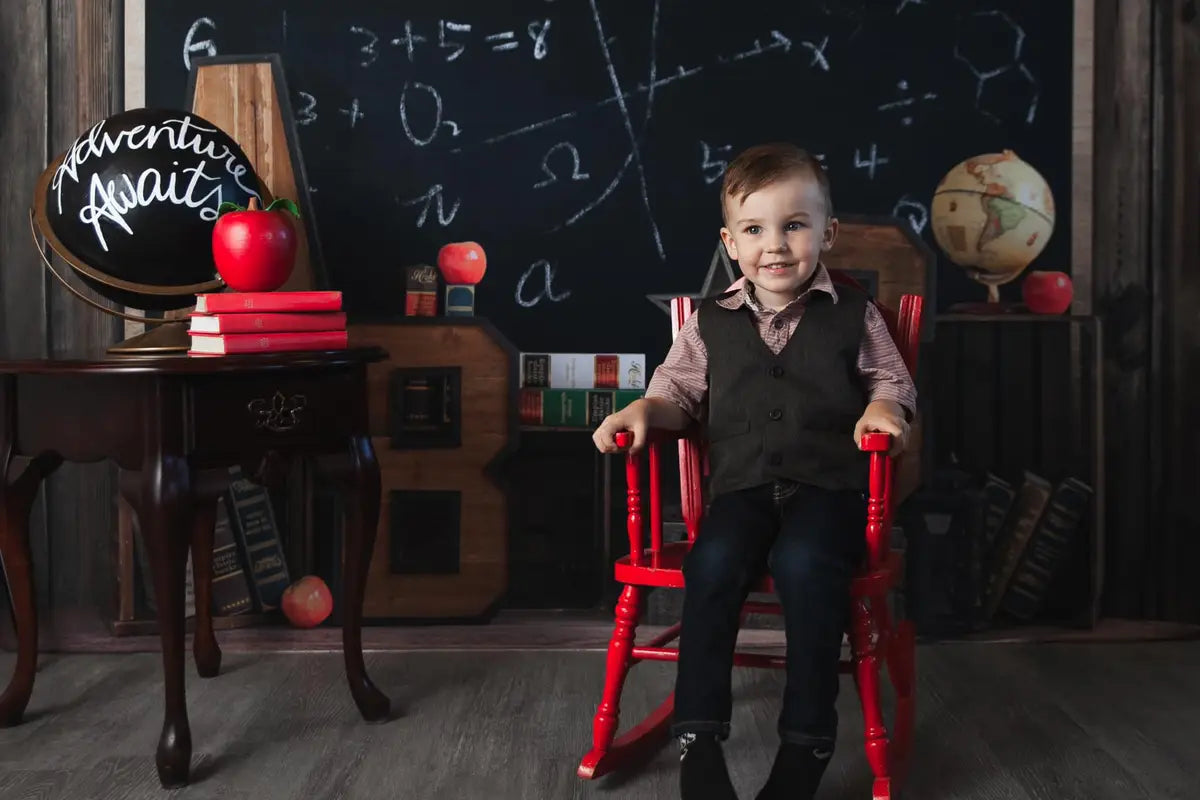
231 415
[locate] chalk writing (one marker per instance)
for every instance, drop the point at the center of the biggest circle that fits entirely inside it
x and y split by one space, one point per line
642 88
547 292
190 46
429 200
913 210
367 49
306 114
438 122
551 177
904 3
507 41
635 155
409 40
538 32
906 103
444 43
113 199
713 171
871 162
353 112
778 42
984 29
818 53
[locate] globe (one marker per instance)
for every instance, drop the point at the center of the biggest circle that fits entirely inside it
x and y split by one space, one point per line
992 215
130 207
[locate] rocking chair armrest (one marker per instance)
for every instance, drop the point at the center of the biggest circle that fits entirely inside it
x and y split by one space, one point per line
877 442
624 439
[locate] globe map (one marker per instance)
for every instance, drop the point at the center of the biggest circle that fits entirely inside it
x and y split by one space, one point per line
992 215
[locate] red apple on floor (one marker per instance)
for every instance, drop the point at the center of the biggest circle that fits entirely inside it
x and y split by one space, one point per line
255 249
1047 292
462 263
307 602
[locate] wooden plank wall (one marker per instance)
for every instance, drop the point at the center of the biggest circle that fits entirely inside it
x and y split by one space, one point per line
61 72
1175 316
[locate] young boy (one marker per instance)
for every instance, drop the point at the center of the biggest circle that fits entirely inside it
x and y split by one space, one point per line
785 374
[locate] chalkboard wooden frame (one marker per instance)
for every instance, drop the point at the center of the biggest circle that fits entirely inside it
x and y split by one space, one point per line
303 197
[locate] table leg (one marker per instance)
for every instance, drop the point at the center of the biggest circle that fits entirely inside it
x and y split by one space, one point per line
359 473
204 643
16 500
165 507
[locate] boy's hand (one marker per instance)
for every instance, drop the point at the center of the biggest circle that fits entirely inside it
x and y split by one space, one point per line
883 416
634 418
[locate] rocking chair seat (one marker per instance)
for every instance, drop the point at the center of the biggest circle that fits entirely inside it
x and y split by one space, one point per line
665 569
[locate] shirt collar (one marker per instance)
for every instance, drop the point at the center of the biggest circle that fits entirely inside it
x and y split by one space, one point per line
821 282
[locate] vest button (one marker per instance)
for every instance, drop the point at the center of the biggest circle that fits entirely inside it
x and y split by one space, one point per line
775 459
776 372
776 414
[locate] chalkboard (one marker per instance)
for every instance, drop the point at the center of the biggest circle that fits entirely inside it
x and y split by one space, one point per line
581 142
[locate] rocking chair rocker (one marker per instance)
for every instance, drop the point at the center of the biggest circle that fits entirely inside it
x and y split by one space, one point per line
875 638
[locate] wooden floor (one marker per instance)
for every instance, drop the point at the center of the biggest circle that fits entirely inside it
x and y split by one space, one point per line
1021 721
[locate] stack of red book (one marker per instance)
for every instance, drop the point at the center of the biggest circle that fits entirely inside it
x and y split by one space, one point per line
231 323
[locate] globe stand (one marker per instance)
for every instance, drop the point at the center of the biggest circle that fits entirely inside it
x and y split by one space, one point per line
992 306
166 337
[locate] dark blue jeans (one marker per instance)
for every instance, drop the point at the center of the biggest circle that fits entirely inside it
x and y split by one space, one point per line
811 540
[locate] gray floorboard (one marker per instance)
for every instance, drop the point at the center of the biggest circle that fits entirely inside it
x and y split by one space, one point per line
995 722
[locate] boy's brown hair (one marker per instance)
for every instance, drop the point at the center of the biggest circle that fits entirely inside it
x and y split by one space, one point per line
764 164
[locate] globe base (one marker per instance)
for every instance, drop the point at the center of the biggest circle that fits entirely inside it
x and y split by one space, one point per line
986 309
171 337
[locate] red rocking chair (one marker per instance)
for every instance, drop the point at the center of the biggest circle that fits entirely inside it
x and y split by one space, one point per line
874 638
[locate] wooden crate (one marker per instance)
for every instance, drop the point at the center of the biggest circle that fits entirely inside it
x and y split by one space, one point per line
1020 391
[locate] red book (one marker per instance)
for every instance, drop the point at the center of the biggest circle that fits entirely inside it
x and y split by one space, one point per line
235 343
241 302
268 323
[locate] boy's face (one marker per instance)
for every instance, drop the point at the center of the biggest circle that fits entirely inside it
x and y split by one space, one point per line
777 235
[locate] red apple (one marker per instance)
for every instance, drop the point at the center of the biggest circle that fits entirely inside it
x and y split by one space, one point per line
307 602
462 263
1047 292
255 249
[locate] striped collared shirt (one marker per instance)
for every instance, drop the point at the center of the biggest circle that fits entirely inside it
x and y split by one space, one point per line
682 378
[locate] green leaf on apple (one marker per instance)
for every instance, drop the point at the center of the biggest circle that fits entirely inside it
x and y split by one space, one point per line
227 206
286 204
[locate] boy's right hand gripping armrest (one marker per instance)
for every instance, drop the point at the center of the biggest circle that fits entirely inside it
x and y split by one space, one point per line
624 439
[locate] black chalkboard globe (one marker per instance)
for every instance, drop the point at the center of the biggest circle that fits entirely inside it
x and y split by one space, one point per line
131 205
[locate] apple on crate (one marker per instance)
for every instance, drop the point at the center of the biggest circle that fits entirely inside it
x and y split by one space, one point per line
462 263
254 249
307 602
1047 292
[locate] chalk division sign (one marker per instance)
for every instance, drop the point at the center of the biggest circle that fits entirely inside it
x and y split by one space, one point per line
131 205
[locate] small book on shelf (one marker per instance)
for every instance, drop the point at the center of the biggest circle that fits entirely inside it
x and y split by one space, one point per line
252 521
1031 501
1052 542
583 370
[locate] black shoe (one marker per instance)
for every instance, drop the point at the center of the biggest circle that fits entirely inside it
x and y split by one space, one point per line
702 771
797 772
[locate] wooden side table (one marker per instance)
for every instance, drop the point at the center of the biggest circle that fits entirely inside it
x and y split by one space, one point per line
174 425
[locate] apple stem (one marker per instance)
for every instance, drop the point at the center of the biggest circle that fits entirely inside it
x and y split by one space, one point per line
253 204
